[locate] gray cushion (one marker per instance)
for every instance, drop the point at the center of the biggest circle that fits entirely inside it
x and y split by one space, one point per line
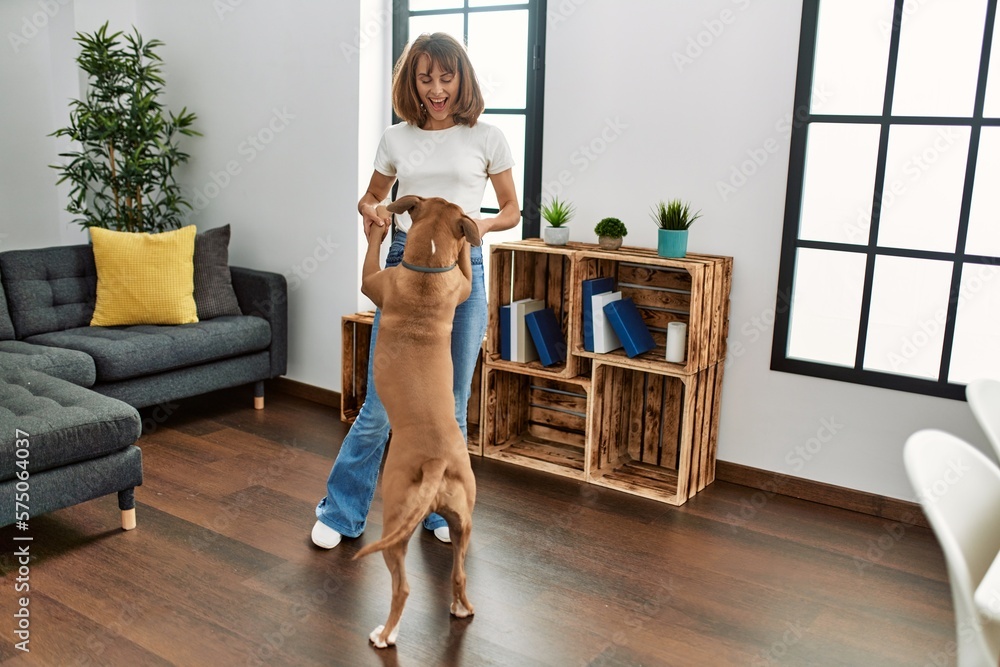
65 423
49 289
6 326
70 365
213 284
121 353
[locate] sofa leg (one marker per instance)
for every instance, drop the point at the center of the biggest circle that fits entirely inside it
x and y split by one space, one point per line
258 395
126 503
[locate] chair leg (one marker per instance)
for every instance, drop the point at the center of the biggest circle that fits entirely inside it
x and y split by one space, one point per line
126 503
258 395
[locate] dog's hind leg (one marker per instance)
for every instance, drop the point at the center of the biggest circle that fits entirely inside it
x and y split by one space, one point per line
395 560
458 514
461 530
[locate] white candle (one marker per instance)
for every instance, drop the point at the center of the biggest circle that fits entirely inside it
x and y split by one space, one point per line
676 342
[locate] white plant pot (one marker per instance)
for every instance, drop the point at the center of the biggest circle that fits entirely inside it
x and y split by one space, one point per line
556 235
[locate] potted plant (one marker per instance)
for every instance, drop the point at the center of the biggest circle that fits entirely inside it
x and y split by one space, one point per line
610 232
122 174
557 214
673 218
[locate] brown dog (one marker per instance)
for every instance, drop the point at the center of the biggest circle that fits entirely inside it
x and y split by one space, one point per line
427 468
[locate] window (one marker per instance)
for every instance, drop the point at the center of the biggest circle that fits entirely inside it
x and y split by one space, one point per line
506 42
891 241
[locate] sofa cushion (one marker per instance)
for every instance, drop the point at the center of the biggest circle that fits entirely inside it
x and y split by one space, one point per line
65 423
49 289
6 326
144 278
213 283
122 353
70 365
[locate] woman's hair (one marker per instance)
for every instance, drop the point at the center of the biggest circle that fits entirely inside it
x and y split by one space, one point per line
449 55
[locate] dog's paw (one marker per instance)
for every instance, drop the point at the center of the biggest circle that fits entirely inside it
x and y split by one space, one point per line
458 610
376 637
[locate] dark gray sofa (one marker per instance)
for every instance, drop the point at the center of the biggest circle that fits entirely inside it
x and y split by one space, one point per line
50 296
76 388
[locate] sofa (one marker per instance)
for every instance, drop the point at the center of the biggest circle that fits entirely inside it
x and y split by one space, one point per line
75 388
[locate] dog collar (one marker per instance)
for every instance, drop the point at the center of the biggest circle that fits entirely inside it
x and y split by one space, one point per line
428 269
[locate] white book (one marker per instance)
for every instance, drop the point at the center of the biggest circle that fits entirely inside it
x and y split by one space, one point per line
522 348
605 338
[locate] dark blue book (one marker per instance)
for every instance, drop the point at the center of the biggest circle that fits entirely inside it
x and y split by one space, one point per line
505 333
590 288
547 336
627 323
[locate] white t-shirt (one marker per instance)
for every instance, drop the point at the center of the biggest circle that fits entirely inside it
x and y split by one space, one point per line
453 164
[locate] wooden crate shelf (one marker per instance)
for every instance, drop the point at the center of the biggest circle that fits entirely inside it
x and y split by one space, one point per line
693 290
356 337
539 422
356 334
524 270
653 434
651 425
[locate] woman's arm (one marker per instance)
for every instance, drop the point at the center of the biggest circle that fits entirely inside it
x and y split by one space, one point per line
510 213
368 207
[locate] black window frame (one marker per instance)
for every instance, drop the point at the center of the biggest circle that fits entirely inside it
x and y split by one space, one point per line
791 243
533 110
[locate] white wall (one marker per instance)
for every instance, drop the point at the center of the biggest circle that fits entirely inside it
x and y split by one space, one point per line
38 77
372 49
658 128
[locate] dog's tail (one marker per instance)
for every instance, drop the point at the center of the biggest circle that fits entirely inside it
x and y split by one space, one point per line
433 473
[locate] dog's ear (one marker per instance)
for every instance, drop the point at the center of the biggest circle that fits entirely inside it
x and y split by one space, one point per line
468 228
404 204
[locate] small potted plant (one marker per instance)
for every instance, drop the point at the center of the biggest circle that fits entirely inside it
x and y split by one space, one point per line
557 214
610 232
673 218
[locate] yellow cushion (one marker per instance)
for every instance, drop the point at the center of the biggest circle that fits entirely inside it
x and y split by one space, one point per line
144 278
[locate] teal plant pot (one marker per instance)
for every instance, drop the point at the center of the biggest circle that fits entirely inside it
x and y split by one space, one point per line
672 242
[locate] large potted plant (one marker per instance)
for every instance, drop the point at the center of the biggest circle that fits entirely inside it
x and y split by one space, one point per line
610 232
123 172
673 218
557 214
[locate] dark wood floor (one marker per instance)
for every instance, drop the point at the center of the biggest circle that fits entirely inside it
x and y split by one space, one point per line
221 572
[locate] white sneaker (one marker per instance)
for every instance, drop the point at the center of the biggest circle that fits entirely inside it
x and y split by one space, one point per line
443 534
325 537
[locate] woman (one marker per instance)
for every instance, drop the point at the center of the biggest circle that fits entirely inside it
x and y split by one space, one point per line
440 151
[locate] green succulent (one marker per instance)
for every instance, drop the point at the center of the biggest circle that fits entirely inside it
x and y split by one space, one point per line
675 215
557 213
611 227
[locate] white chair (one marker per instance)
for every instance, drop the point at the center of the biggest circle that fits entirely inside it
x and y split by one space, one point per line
959 490
984 399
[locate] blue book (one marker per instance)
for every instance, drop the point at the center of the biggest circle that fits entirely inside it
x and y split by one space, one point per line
505 333
547 335
590 288
628 324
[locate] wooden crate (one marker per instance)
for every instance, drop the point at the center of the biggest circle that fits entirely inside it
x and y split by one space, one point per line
356 332
531 269
653 433
356 335
693 290
535 420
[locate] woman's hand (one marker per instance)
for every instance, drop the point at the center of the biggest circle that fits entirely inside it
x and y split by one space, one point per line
377 219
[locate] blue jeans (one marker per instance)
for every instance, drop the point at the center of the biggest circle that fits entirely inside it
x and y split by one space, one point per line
351 485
